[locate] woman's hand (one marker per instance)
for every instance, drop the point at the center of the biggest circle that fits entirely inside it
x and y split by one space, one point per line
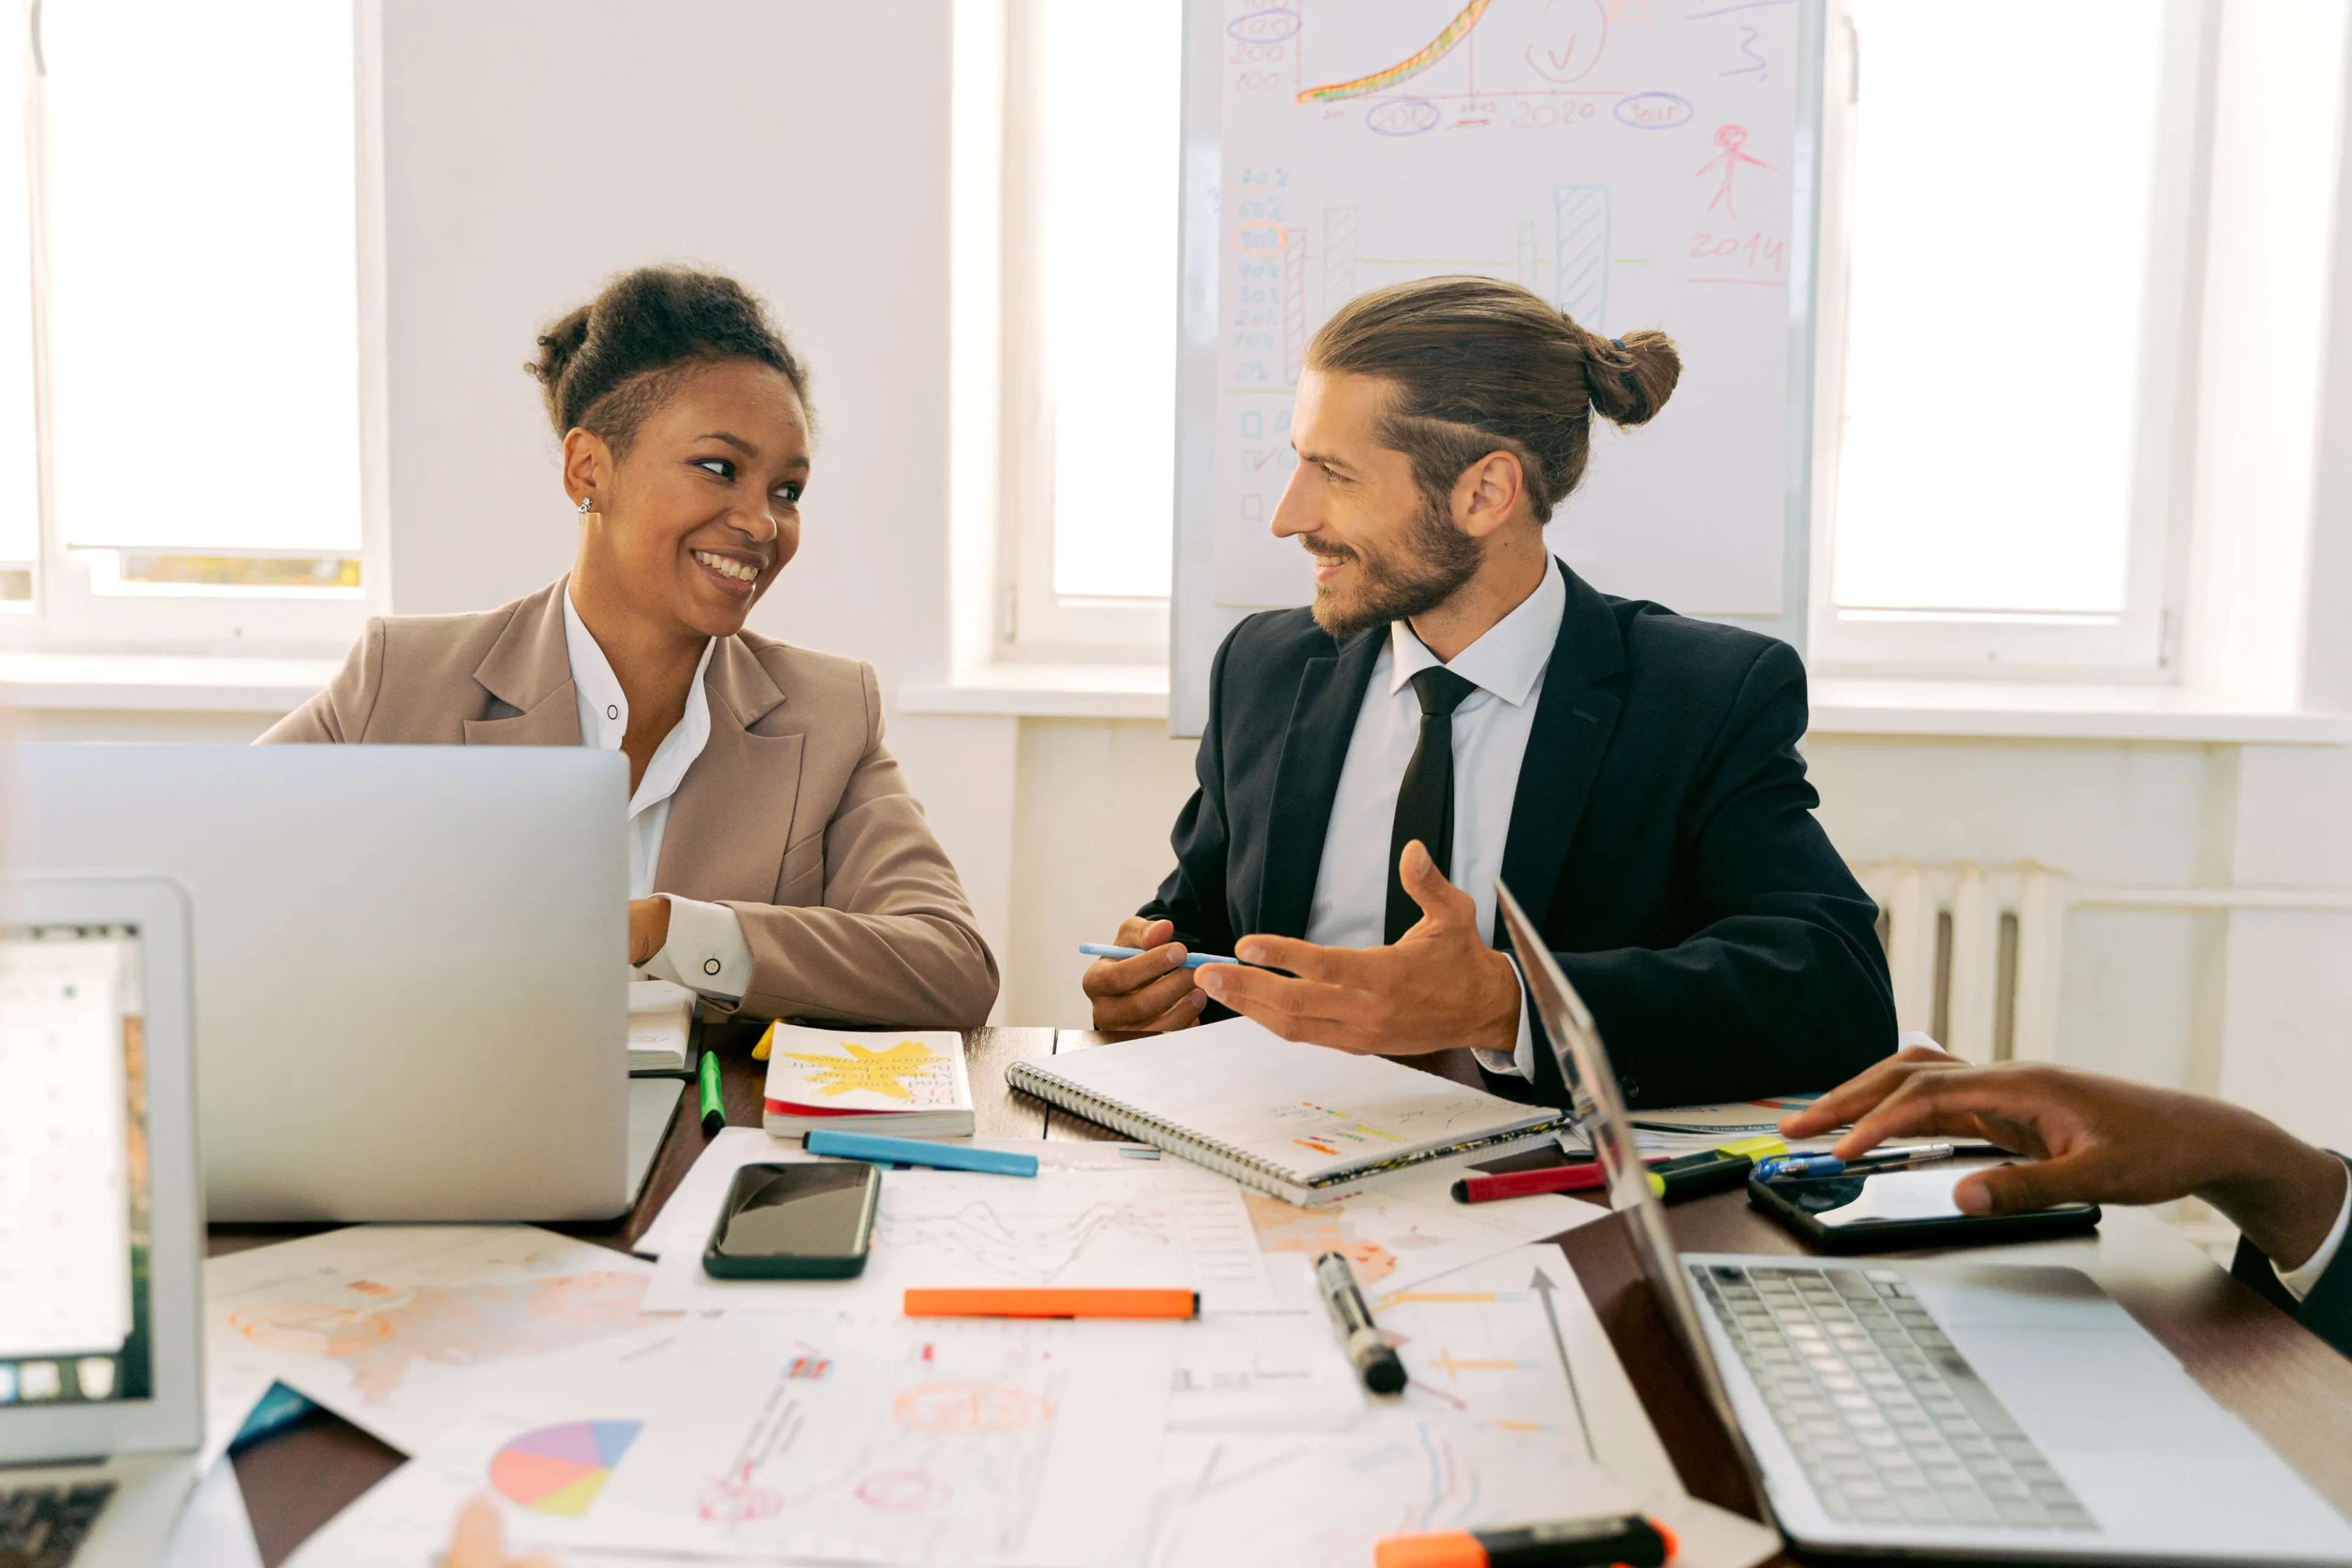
648 928
2092 1138
480 1541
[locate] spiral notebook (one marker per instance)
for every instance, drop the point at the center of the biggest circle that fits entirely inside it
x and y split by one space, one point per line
1302 1122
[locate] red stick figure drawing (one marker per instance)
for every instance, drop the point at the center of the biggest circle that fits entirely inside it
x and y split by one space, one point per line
1733 139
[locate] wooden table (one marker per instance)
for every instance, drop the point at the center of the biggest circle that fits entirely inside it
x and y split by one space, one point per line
2293 1391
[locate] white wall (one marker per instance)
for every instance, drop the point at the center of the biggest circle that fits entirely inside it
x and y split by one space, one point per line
533 148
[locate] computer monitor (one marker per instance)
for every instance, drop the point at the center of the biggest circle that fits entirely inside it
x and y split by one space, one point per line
99 1213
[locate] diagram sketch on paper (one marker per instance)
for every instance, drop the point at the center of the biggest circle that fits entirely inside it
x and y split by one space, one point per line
384 1324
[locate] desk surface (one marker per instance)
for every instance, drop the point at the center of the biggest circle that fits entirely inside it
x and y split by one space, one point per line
2293 1391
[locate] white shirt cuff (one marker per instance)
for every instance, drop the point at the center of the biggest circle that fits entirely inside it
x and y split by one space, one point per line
705 951
1522 1059
2300 1281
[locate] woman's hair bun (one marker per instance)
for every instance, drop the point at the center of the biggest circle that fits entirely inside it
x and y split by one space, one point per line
607 364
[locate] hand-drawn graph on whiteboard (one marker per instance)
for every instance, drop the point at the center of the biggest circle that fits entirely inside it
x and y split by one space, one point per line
1629 161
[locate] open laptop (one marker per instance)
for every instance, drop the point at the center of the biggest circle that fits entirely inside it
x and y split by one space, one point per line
410 966
1945 1407
100 1221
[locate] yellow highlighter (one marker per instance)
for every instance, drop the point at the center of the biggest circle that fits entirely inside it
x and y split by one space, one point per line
768 1041
1717 1170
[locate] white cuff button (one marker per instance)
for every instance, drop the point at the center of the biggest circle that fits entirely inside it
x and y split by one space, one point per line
709 966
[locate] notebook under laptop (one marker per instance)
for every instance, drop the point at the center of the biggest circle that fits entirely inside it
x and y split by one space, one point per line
101 1220
1941 1407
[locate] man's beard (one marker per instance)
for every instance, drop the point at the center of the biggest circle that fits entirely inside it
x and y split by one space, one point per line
1433 560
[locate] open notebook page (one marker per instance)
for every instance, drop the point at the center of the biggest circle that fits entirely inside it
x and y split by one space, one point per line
1305 1110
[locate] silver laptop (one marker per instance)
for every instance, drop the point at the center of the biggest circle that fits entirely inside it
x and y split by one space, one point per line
410 965
102 1223
1947 1407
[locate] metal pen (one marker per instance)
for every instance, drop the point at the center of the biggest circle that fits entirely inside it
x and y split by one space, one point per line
1366 1347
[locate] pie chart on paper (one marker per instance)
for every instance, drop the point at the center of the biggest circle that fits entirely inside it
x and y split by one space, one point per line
560 1469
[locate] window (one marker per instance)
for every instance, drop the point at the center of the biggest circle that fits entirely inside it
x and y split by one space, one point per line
179 324
1090 268
2007 306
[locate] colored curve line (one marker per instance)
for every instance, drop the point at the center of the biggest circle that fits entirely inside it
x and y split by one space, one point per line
1405 69
560 1469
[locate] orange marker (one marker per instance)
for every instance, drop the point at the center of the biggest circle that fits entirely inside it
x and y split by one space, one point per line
1625 1539
1024 1303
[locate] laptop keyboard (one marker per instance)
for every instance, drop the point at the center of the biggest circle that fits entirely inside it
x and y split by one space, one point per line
1890 1422
43 1527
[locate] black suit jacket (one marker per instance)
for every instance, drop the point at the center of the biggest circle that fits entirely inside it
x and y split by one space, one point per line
1662 838
2327 1312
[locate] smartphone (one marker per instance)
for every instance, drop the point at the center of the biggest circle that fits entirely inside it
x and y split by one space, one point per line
1887 1210
795 1222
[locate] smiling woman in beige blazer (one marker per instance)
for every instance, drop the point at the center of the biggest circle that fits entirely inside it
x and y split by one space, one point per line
778 864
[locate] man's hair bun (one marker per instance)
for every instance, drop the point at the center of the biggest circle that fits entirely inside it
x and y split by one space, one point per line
1481 365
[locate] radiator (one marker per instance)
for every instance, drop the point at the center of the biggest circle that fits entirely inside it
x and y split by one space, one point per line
1978 954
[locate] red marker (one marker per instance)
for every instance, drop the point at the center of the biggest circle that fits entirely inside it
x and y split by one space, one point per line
1580 1178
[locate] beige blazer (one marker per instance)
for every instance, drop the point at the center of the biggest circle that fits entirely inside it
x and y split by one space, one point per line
794 815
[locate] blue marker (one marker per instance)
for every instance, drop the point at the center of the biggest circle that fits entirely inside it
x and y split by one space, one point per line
916 1151
1831 1165
1192 960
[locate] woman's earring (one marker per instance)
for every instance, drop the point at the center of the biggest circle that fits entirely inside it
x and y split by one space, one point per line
587 503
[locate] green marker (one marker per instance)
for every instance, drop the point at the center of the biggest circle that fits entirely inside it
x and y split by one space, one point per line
714 1111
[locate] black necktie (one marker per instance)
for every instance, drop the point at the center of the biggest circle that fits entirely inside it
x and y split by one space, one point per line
1424 808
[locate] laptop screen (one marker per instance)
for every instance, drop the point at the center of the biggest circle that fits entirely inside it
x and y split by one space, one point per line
75 1202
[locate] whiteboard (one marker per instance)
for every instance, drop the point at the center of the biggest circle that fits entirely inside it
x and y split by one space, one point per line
1636 162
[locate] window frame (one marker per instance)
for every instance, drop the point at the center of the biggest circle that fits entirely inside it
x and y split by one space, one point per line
2141 644
1032 622
79 604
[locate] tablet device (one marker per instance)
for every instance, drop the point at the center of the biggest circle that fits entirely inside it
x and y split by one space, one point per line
1890 1210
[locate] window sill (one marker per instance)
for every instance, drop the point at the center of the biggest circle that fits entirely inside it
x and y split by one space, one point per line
179 683
2030 710
1047 691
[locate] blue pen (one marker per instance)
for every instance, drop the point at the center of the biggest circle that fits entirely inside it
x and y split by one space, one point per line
1192 960
1799 1165
916 1151
1831 1165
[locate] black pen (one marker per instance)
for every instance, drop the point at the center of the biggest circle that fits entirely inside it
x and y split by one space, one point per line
1366 1347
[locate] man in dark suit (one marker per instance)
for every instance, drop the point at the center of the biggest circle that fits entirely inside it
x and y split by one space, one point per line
1456 706
2095 1138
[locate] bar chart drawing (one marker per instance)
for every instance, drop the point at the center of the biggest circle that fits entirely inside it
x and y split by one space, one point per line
1294 326
1341 228
1580 275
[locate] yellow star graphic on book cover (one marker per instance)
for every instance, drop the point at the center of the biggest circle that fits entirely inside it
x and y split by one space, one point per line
885 1072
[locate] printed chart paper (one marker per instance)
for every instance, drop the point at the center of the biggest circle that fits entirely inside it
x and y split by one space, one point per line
1088 1219
391 1326
1409 1229
819 1435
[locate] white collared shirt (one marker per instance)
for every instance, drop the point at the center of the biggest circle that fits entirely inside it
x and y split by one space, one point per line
2299 1282
1490 738
705 950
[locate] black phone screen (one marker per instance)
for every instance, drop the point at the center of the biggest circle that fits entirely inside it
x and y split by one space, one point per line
798 1211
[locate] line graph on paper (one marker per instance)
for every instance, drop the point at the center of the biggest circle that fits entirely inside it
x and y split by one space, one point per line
1157 1225
1034 1249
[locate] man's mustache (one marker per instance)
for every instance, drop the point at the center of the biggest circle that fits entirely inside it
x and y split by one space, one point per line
1315 546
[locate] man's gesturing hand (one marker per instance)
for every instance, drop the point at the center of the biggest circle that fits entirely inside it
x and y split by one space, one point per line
1437 987
2094 1139
1152 990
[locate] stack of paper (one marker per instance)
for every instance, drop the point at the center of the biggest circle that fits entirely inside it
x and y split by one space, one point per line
661 1015
903 1085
